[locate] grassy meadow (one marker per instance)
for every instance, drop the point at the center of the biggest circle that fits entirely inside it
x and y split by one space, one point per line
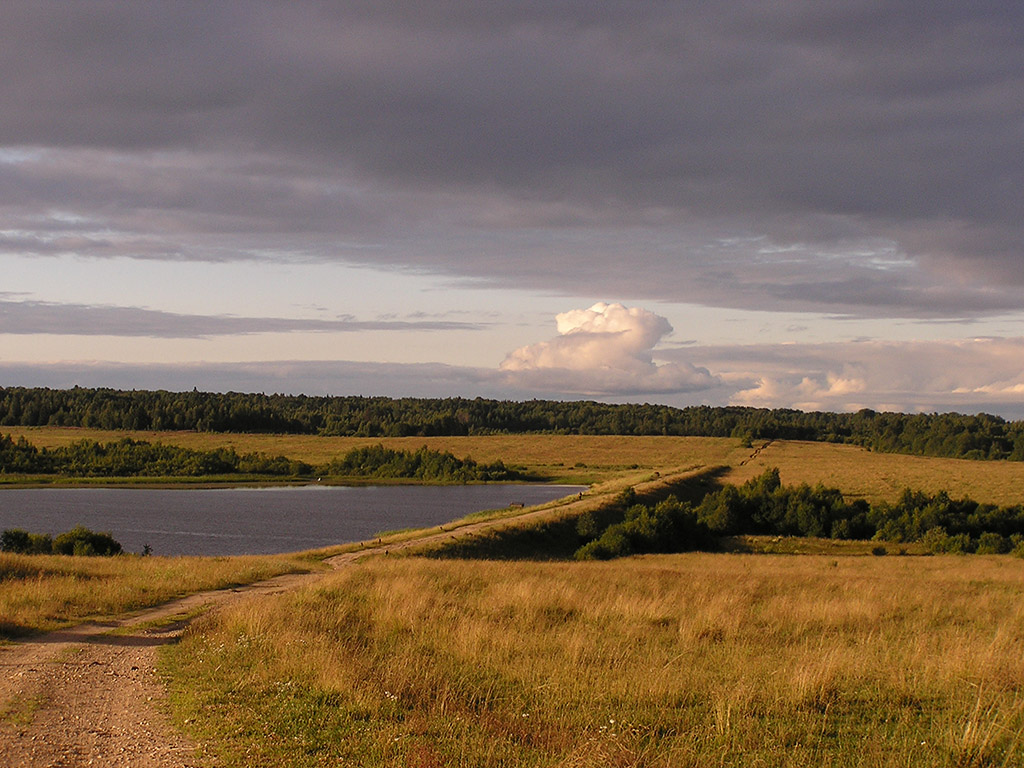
43 592
883 476
834 657
598 458
682 660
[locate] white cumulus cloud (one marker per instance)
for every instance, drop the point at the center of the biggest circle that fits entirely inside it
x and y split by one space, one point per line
604 350
966 375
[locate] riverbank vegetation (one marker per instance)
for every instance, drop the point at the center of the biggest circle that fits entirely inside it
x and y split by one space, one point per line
980 436
572 459
426 465
673 660
127 457
136 458
79 541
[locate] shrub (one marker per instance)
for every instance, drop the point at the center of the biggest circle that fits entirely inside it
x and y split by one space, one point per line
993 544
938 540
81 541
25 543
14 540
424 464
669 526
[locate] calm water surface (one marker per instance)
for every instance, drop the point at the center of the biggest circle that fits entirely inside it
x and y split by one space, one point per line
239 521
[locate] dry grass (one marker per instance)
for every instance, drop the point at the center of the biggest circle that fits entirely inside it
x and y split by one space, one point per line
883 476
596 458
687 660
43 592
570 458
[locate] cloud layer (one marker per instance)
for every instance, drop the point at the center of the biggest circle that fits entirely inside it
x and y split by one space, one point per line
968 375
861 156
40 317
603 350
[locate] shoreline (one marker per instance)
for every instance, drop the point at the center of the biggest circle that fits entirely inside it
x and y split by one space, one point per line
211 484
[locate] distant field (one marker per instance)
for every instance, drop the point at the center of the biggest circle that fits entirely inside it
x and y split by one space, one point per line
883 476
595 458
576 458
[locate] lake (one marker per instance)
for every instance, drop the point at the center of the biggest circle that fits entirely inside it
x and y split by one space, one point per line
236 521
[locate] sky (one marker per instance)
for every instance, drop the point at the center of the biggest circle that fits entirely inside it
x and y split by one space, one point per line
813 205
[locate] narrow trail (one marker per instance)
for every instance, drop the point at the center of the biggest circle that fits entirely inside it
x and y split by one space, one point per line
90 695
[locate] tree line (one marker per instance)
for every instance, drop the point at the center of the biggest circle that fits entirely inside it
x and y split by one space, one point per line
763 506
139 458
954 435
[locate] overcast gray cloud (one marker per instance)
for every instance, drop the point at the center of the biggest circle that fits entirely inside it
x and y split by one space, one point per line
862 156
32 317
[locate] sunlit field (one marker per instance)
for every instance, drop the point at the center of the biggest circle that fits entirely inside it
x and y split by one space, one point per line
683 660
595 458
569 458
42 592
883 476
834 659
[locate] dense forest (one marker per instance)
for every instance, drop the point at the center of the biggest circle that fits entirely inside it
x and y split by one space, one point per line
951 435
763 506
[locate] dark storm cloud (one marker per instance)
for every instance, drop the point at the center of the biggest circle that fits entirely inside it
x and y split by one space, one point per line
660 150
31 317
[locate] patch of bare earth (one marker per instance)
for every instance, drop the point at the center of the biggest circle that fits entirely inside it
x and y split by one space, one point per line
90 695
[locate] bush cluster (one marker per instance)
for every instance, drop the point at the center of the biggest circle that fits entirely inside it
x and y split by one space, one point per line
78 541
668 526
423 464
136 458
763 506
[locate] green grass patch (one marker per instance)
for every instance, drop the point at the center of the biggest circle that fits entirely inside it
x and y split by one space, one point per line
21 711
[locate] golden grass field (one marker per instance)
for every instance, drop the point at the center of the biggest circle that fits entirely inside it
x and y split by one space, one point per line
883 476
568 458
834 659
43 592
594 458
673 660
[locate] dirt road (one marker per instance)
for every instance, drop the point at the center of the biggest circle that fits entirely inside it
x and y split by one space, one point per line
90 695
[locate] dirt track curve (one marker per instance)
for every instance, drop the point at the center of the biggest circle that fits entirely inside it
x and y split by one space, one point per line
90 695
